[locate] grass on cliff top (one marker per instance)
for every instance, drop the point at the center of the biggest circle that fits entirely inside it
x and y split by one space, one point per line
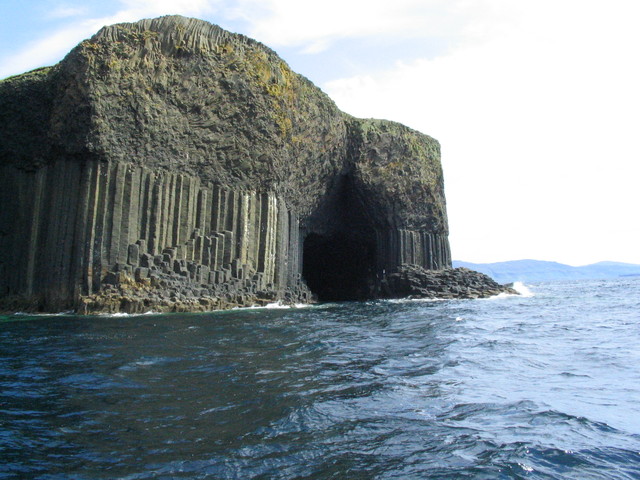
36 74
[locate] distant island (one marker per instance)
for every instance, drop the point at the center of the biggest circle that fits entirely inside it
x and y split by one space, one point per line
542 271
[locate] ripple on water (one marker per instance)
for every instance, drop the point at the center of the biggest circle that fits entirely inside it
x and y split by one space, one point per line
541 386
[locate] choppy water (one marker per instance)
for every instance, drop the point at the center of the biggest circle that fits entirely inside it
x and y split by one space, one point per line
544 387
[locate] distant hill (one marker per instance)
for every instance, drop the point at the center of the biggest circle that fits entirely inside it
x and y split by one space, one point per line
541 271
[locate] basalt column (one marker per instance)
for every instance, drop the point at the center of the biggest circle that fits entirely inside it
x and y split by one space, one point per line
349 249
169 164
70 228
345 265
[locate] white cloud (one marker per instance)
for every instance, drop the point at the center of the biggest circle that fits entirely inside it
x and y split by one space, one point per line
52 46
538 125
66 11
144 8
315 25
43 52
534 101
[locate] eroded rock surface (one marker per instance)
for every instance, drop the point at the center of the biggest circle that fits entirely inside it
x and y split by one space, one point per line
416 282
169 164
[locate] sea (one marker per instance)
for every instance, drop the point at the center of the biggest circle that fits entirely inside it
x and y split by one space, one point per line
542 385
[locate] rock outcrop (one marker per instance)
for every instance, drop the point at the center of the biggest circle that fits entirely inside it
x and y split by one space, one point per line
460 283
171 165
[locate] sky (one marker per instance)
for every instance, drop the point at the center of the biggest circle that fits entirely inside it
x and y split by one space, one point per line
536 103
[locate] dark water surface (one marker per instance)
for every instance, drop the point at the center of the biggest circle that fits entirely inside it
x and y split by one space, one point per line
544 387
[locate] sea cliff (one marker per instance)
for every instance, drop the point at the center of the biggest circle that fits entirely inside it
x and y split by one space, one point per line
170 165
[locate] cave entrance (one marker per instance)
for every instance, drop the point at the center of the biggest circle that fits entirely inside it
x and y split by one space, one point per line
339 267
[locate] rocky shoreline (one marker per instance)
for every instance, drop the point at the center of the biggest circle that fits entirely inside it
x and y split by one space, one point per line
131 297
163 294
169 165
414 281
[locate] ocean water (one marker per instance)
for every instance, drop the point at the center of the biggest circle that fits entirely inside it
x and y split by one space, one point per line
540 386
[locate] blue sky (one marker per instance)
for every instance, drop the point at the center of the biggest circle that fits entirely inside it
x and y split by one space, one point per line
535 102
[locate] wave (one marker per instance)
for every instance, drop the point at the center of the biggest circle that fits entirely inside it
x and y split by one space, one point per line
59 314
72 313
275 306
413 300
284 305
522 289
123 314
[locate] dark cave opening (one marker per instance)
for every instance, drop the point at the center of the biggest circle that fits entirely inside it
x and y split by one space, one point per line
338 267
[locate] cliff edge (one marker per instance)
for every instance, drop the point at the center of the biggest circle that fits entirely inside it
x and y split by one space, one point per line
169 164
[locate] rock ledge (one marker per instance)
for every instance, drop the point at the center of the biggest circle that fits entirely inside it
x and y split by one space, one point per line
452 283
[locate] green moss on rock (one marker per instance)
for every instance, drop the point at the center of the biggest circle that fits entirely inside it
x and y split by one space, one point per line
146 128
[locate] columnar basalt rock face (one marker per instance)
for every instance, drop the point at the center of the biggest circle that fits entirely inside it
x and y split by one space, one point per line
96 225
171 165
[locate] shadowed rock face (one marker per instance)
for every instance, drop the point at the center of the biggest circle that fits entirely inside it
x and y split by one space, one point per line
171 165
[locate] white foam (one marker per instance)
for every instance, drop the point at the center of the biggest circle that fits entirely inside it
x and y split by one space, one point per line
274 306
502 295
522 289
285 305
414 300
59 314
525 467
146 363
123 314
